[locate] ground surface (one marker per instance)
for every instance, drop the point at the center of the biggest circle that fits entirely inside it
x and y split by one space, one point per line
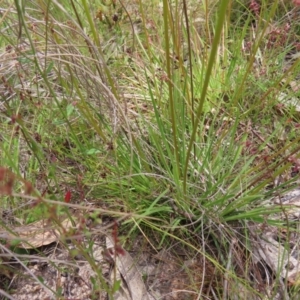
144 273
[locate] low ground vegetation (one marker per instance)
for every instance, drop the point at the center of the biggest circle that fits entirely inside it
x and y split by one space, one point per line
165 134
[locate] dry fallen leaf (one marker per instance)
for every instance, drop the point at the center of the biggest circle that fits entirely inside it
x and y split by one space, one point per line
36 234
132 286
277 257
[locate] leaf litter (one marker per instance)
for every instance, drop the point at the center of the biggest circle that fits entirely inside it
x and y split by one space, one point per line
54 268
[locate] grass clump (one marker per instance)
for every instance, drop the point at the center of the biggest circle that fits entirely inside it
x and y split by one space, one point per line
178 117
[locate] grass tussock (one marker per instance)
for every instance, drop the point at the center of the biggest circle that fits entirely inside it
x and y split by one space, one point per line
178 119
